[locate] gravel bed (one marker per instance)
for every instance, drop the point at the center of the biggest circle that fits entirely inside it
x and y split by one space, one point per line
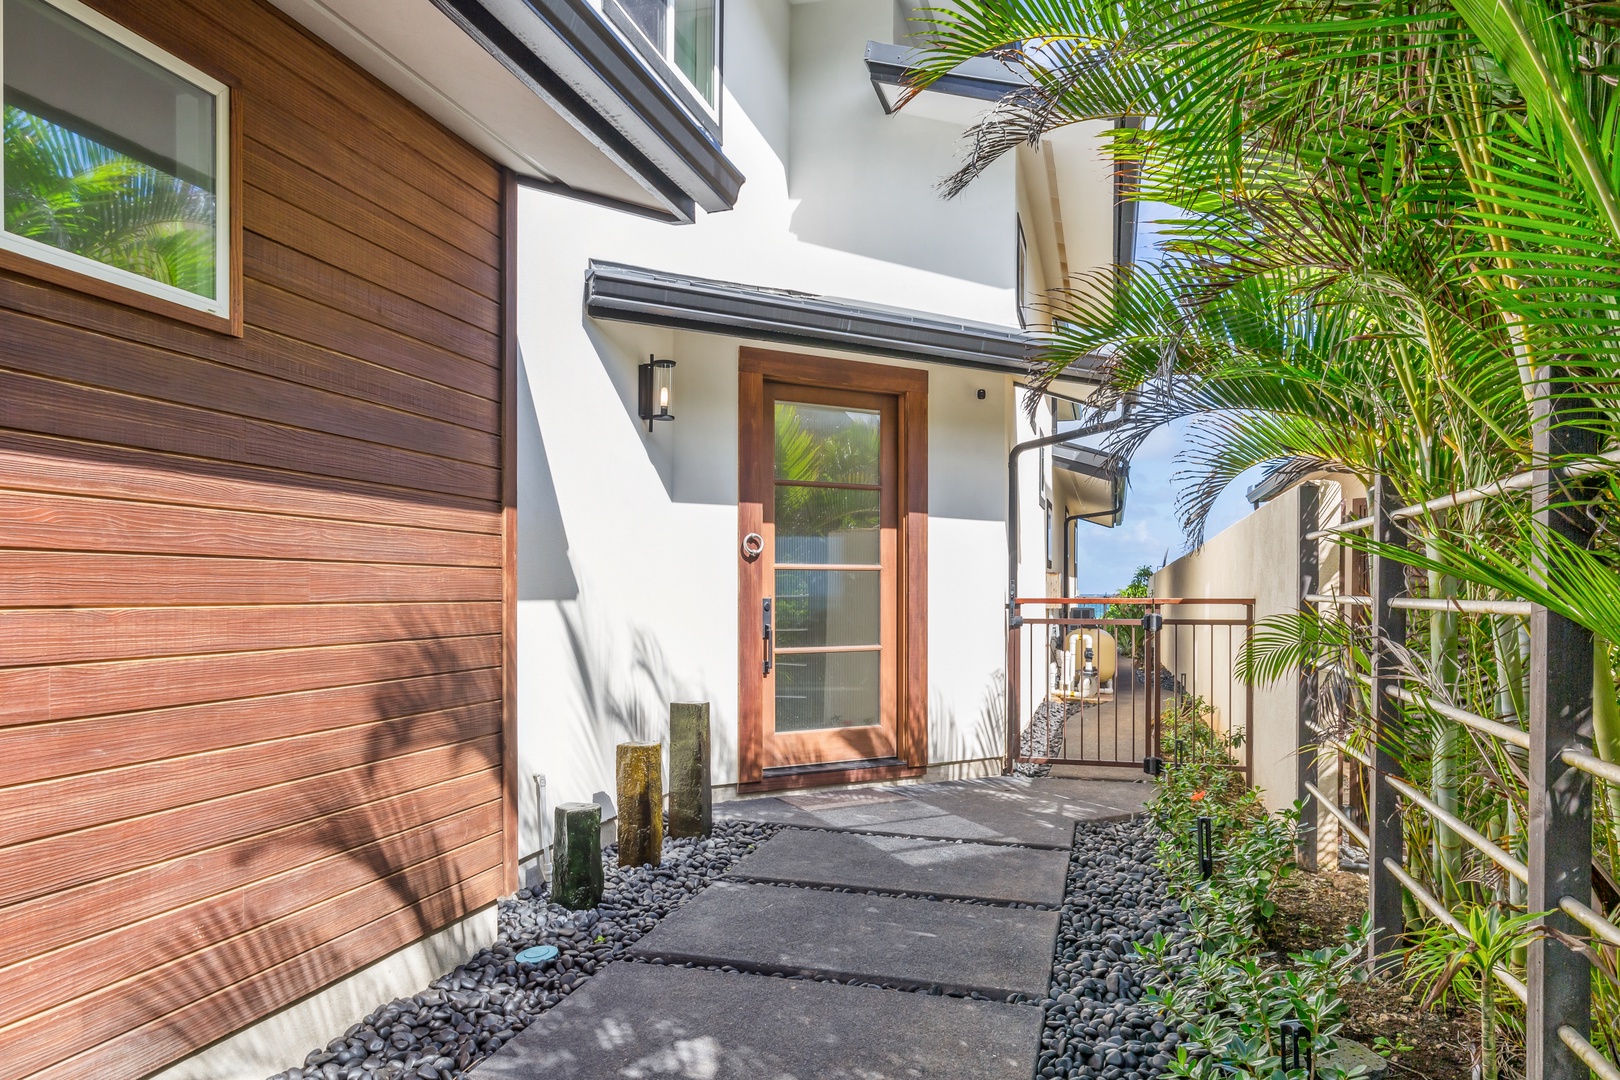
1044 736
1096 1025
468 1014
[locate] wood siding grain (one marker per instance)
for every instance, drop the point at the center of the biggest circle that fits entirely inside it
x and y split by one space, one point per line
255 644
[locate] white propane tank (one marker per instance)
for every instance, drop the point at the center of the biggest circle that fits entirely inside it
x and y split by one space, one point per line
1092 658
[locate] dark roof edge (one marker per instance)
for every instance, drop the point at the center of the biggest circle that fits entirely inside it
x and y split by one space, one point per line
1089 461
1279 481
683 166
635 294
982 78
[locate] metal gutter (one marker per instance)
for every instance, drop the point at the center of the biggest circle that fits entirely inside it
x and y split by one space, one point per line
621 293
566 52
982 78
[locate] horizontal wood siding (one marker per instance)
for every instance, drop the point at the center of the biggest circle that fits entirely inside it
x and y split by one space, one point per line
253 672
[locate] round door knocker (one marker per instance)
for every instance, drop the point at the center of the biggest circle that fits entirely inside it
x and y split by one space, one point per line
753 546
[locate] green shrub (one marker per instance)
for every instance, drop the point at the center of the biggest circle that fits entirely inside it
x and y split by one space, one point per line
1230 1002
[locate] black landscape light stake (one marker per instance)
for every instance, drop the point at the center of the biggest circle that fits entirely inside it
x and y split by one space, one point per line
1206 847
1295 1048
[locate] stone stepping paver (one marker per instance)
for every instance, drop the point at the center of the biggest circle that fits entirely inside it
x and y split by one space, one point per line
899 864
640 1020
1031 811
958 948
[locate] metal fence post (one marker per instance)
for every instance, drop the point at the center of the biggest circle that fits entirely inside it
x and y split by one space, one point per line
1306 750
1560 796
1011 697
1383 806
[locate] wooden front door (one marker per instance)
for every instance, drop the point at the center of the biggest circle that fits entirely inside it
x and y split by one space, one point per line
828 567
832 518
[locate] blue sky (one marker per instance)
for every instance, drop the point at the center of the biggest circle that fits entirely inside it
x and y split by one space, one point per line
1150 531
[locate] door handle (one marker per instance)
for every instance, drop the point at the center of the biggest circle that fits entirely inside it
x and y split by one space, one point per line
768 644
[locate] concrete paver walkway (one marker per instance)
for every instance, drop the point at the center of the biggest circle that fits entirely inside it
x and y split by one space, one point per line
915 944
1035 812
660 1023
905 864
648 1020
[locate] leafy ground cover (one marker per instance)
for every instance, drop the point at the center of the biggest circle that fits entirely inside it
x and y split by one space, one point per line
1312 912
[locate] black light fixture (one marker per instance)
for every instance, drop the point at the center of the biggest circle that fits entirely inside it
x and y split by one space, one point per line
657 390
1153 766
1294 1047
1206 847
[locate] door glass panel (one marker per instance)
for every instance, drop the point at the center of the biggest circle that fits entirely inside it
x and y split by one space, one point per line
822 443
827 690
827 525
827 607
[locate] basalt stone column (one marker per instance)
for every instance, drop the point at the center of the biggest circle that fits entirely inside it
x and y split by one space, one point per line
691 802
641 803
576 856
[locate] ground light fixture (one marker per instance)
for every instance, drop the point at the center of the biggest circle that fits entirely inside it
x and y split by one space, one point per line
1206 846
1294 1045
656 392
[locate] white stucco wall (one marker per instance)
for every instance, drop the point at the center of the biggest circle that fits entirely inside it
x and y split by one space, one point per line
1259 557
627 539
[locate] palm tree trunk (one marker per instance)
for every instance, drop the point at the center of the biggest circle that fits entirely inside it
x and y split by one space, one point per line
1508 653
1448 737
1605 719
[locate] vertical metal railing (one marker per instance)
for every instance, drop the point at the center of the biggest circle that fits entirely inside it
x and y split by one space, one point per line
1560 766
1060 714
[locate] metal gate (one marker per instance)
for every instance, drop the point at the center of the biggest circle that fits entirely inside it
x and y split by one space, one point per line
1149 681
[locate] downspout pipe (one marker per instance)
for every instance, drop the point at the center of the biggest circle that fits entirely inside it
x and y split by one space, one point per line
1018 451
1069 523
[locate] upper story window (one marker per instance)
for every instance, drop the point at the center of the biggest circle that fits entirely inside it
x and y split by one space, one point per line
115 158
684 36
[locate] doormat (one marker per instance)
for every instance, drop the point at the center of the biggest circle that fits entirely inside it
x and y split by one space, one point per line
837 800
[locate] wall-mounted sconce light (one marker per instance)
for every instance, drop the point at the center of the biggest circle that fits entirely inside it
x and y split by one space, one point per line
657 390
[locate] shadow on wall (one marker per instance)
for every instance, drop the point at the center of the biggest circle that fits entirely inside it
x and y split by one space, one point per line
866 183
625 690
395 836
968 742
544 570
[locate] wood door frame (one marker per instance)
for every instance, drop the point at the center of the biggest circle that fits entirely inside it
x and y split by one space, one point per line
754 479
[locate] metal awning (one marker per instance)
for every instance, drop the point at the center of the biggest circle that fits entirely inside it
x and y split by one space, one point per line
982 78
1105 476
621 293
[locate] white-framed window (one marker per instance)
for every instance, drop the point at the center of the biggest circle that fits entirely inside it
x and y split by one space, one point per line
684 36
114 156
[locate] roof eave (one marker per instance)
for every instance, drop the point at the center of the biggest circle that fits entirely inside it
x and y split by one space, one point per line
982 79
635 294
566 52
